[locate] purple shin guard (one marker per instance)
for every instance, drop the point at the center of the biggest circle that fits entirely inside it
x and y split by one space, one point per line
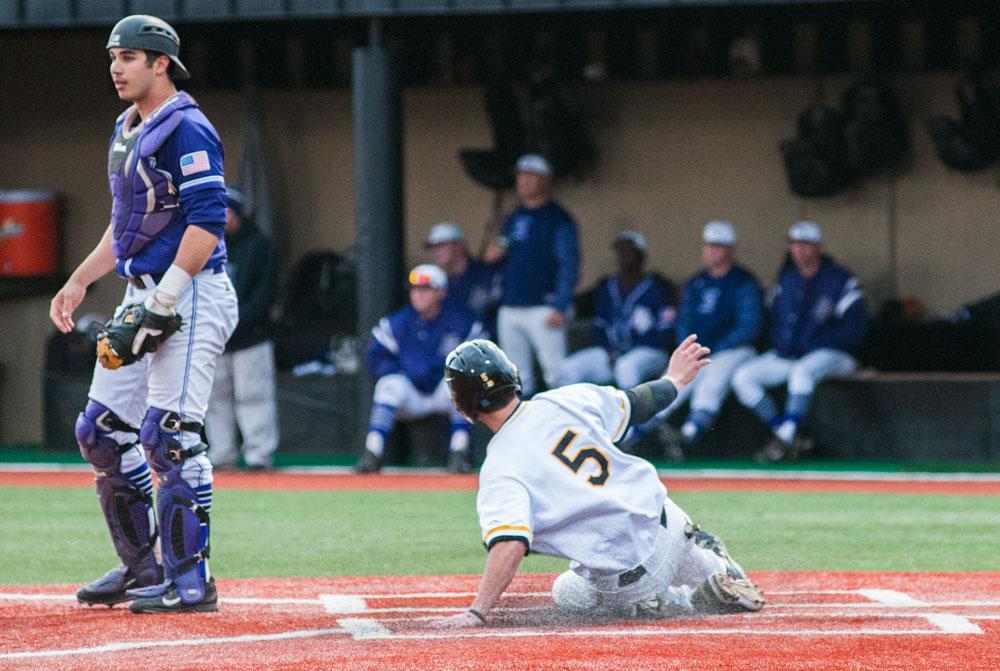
127 510
184 544
133 529
183 521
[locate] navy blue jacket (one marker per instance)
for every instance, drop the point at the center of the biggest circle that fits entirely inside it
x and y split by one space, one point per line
478 291
825 311
542 263
405 343
726 312
643 318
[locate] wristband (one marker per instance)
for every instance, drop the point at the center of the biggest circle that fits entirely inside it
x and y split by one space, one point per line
478 614
173 282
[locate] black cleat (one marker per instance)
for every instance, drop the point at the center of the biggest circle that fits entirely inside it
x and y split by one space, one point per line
774 451
777 451
368 463
110 588
170 602
673 443
458 462
799 446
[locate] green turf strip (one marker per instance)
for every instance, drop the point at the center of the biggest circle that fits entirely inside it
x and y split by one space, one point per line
58 535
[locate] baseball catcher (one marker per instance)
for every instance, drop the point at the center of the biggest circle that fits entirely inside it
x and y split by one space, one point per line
143 418
133 332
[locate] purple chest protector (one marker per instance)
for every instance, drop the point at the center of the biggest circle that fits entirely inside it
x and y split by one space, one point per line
144 198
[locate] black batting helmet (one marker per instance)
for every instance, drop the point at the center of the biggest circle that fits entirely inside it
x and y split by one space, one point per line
149 33
481 377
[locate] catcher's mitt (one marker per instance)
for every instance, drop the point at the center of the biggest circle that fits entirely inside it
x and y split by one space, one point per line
128 336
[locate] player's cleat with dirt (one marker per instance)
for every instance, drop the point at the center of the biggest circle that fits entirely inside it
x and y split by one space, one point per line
170 602
722 593
110 588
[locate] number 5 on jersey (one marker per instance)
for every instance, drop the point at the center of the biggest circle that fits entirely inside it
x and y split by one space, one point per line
576 463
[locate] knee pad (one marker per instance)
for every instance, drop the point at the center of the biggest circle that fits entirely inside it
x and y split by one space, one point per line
390 390
160 436
94 427
572 593
184 531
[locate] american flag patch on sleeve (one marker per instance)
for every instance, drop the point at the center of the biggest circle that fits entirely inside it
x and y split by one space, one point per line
194 162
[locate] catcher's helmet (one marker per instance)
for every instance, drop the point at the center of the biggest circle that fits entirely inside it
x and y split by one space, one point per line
149 33
481 377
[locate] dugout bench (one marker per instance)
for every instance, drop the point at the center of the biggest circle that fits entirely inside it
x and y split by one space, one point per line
889 416
872 416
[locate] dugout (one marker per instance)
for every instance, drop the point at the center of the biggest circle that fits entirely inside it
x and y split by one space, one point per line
680 136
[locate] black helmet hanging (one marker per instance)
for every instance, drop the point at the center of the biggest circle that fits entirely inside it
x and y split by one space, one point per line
149 33
481 377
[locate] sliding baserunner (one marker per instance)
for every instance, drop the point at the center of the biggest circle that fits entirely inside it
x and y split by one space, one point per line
554 482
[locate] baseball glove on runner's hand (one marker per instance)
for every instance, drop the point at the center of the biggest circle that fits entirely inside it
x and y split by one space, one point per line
130 335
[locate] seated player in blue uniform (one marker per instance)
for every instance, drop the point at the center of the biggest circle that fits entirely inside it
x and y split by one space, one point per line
818 318
633 326
473 285
722 304
406 357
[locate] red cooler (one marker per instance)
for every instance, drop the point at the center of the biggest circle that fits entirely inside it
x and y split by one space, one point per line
29 234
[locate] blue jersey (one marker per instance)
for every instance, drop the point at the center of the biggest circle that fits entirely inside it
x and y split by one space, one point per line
193 157
643 317
542 263
476 290
825 311
726 312
406 343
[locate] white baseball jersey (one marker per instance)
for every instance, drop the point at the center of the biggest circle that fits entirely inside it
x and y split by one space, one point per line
553 478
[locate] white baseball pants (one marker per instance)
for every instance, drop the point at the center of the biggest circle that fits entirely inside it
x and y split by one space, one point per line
524 335
244 396
674 570
593 364
802 375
